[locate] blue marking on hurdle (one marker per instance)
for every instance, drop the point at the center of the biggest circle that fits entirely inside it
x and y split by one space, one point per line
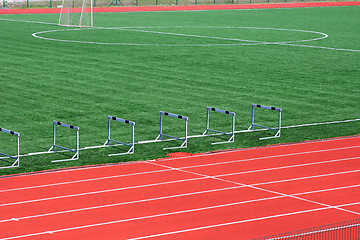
208 129
17 157
109 140
184 139
54 146
278 129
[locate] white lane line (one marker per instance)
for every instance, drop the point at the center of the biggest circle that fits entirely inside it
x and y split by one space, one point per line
174 213
174 196
257 188
308 177
238 222
83 180
121 203
183 180
269 157
101 191
164 170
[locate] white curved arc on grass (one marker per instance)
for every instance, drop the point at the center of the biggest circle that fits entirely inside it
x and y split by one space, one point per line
143 29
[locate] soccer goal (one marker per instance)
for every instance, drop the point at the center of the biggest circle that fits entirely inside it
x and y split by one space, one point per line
76 13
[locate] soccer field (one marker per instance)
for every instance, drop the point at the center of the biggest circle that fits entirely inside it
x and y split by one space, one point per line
133 65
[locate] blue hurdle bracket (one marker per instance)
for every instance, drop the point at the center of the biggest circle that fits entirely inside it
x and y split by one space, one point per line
160 136
279 110
109 140
208 129
54 146
17 157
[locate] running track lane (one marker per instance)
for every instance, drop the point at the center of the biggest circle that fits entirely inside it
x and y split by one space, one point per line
186 8
239 194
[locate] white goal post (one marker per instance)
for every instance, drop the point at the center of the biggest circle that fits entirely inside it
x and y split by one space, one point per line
76 13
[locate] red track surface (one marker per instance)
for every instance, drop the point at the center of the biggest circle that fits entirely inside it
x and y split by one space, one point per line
187 8
240 194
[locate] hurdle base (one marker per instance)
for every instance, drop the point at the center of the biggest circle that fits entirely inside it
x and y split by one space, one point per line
276 136
183 145
251 128
130 151
231 140
74 157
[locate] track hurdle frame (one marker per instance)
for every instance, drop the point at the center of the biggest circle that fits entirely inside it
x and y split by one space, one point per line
109 140
278 129
184 139
54 146
208 129
17 157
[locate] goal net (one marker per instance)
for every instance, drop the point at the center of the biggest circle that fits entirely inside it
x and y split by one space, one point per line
76 13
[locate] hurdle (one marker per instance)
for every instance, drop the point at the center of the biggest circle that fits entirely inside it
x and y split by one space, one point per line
208 129
160 136
109 140
54 146
279 110
17 157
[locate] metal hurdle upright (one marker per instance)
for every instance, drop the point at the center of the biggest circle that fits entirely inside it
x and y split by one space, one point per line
17 157
109 140
54 146
277 134
184 139
208 129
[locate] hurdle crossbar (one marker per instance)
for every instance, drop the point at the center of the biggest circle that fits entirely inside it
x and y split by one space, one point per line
208 129
17 157
279 110
54 146
109 140
160 136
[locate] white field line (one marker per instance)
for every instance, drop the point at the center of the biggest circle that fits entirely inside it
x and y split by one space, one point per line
176 196
255 187
164 170
326 48
24 21
175 213
174 182
238 222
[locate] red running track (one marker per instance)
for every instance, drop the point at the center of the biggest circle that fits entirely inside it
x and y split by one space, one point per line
239 194
186 8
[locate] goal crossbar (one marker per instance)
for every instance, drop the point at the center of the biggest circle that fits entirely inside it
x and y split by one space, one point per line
208 129
161 134
16 163
277 129
109 140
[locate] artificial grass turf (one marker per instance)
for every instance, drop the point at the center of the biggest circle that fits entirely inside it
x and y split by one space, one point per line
80 83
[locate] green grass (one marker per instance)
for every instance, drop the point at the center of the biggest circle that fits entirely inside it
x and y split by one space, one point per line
81 84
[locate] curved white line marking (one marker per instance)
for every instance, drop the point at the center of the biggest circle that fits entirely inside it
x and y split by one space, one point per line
143 29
